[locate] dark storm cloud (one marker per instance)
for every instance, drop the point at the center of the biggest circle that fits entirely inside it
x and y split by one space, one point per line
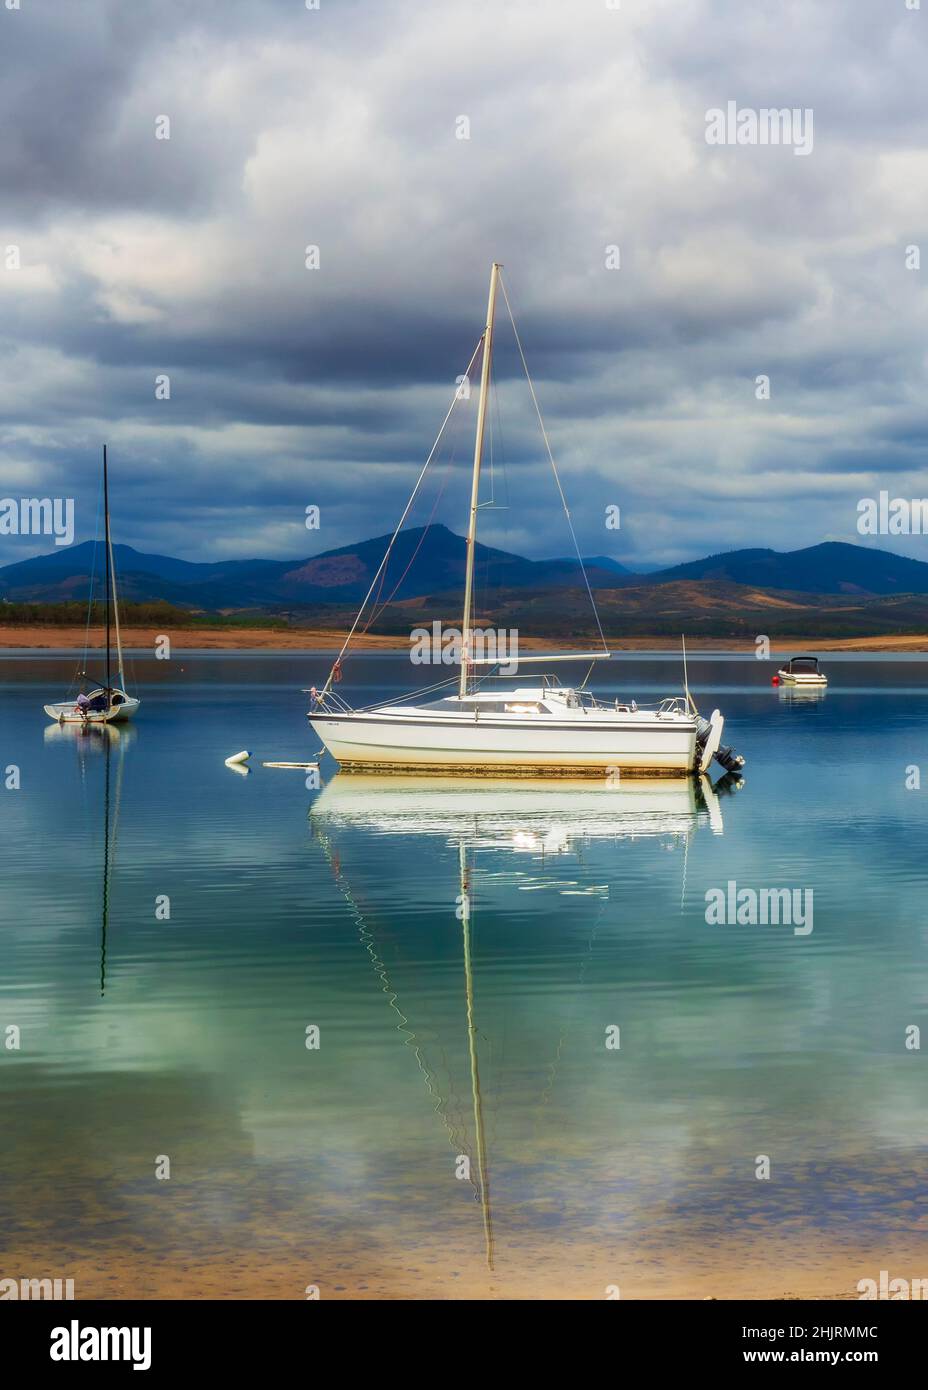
335 128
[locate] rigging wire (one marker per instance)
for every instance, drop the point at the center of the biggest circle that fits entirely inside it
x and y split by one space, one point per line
456 1131
389 599
379 578
544 435
93 578
336 666
482 588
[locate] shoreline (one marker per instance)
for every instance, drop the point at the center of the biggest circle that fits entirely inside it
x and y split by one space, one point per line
39 637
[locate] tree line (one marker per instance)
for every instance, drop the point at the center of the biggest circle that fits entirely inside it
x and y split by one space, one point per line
155 613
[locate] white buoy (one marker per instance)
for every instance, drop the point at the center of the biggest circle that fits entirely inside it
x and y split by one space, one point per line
237 758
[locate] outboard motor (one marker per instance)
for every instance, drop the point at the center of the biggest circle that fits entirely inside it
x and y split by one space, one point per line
729 759
711 729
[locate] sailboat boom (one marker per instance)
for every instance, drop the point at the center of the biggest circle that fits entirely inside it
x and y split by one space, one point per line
512 660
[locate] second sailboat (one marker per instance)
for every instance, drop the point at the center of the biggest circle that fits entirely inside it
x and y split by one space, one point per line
106 703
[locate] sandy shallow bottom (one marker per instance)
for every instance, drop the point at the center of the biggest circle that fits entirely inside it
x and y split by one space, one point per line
742 1270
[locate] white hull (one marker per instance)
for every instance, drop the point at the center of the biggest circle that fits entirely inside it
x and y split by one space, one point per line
586 745
68 713
815 682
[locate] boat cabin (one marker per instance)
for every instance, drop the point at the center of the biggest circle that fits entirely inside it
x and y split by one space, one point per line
802 666
531 701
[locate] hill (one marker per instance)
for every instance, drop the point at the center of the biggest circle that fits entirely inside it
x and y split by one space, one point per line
834 567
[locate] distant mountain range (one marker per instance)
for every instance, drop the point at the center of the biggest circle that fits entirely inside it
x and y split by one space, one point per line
424 560
428 562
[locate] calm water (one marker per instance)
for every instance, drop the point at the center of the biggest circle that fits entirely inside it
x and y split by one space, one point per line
443 1034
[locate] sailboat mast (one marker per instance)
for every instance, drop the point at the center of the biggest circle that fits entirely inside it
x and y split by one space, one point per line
106 525
483 1179
475 485
112 563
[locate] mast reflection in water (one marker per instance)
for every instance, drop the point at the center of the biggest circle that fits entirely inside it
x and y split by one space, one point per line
541 819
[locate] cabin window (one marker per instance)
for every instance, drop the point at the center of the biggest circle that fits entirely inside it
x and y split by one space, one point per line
482 707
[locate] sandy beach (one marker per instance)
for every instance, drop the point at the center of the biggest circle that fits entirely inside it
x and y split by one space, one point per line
320 639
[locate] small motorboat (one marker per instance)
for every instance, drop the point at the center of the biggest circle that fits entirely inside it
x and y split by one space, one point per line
801 671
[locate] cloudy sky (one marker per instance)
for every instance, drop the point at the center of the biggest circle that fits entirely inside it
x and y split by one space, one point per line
338 127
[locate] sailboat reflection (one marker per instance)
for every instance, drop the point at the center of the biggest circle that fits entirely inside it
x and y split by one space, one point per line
549 817
89 739
546 815
107 741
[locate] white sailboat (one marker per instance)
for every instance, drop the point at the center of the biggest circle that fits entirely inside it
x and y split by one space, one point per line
107 703
543 729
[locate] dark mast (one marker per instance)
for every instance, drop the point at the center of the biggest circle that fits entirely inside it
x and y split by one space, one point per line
106 546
